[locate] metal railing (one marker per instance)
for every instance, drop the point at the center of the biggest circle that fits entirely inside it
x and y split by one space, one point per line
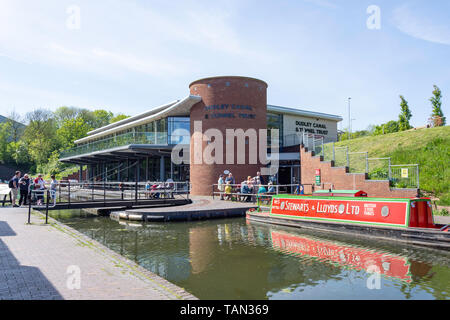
156 138
67 192
375 168
404 176
71 191
236 194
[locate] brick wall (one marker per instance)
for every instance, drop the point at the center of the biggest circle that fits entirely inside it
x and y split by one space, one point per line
225 91
342 180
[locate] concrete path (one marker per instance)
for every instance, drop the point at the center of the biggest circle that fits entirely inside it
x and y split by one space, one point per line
442 219
54 261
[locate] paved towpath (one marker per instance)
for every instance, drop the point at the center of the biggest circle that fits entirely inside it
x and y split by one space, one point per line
41 261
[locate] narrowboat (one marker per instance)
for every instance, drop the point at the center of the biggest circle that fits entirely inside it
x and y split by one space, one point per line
408 220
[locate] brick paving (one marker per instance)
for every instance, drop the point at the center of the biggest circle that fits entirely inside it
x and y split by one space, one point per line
36 260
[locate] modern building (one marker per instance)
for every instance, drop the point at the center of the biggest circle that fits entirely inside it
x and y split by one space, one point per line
142 147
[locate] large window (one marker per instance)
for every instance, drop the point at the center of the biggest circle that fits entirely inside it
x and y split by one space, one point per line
179 130
274 121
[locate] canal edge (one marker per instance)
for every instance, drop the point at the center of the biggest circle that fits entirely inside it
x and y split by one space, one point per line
119 260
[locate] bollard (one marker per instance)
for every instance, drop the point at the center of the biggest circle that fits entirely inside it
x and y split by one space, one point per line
29 211
46 206
69 193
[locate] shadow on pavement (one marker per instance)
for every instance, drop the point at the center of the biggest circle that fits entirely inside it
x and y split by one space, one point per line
18 282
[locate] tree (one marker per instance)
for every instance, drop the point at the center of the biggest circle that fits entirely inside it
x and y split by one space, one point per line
15 126
405 115
40 135
66 113
102 118
71 130
119 117
390 127
437 117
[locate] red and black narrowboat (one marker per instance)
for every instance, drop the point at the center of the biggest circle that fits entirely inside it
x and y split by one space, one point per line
408 220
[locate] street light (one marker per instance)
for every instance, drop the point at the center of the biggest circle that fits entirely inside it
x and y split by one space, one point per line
350 136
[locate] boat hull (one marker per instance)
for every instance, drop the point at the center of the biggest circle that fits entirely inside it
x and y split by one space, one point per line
423 237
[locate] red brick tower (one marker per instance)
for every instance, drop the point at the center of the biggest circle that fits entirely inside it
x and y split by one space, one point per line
227 103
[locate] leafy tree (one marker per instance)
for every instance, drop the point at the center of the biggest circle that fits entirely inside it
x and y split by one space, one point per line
5 157
71 130
40 135
405 115
390 127
119 117
66 113
101 118
437 117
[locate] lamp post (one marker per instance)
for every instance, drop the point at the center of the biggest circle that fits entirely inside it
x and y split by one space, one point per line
350 136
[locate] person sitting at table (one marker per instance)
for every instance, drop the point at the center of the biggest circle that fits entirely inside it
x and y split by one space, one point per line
228 191
245 190
271 188
154 191
261 189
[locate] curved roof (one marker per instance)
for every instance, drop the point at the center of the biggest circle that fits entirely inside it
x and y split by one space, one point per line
298 112
180 108
133 118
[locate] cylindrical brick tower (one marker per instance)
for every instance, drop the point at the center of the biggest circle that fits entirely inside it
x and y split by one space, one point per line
227 103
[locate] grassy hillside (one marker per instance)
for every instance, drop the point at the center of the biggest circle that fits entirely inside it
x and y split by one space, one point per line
430 148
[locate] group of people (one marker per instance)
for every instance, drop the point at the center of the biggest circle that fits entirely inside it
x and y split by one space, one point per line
25 188
251 186
154 191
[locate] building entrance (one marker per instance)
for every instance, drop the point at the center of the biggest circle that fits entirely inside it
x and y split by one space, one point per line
288 174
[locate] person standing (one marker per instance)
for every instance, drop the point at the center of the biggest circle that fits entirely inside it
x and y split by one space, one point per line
230 179
221 186
24 186
39 184
259 179
53 186
14 186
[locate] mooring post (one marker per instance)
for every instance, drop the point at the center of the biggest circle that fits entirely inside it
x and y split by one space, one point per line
104 193
29 210
46 206
69 193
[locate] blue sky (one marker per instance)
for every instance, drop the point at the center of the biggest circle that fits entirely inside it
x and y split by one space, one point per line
129 56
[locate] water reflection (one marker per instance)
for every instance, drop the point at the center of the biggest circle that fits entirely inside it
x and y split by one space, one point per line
234 259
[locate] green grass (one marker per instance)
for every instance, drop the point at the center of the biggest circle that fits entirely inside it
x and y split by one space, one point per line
430 148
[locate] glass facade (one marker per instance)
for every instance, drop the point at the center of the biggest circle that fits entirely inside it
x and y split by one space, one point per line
166 132
274 121
179 129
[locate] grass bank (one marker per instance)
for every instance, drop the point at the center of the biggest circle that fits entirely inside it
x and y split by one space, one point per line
430 148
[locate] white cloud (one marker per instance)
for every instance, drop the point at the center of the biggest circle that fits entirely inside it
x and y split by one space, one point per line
420 27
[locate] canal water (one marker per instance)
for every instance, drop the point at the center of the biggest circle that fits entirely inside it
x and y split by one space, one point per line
236 259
